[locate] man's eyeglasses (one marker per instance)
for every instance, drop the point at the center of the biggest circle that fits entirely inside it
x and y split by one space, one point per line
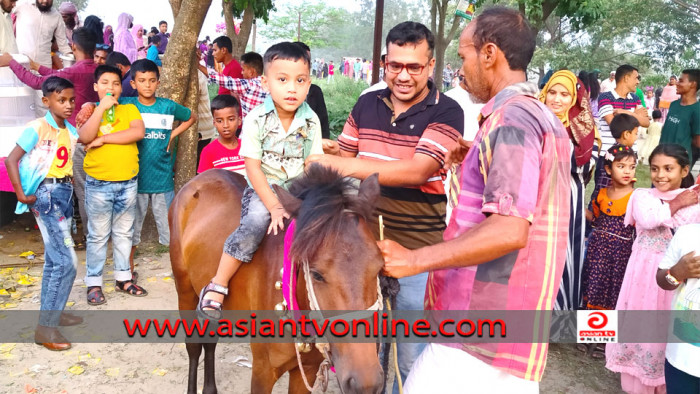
104 47
412 69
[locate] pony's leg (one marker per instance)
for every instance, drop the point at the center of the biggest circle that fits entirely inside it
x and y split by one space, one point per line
263 378
194 350
209 371
296 383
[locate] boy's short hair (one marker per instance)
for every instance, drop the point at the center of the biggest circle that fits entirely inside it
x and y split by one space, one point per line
254 60
105 69
155 40
303 45
161 22
656 114
144 66
286 51
224 101
224 42
85 40
117 58
622 123
55 84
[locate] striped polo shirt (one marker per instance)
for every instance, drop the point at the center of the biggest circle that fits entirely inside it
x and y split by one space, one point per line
413 216
607 103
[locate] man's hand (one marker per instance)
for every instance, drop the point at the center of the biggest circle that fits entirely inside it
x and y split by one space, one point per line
34 65
96 143
5 59
84 114
641 111
399 262
331 147
687 267
29 200
324 160
277 216
457 154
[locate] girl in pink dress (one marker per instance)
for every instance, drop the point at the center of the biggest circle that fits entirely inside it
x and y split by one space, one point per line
654 212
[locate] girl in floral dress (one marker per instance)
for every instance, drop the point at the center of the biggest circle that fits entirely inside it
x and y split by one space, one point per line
610 242
654 213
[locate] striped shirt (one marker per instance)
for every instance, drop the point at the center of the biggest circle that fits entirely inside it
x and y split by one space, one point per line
519 166
250 92
607 103
413 216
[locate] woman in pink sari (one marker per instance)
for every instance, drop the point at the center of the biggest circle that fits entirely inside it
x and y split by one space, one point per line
654 212
137 31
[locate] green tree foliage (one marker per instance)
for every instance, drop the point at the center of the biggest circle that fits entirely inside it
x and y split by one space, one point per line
261 8
248 11
319 24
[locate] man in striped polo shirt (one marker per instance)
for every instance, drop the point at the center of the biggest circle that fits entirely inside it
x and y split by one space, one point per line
403 133
622 98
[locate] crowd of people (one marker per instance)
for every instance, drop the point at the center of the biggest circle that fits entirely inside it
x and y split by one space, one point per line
483 187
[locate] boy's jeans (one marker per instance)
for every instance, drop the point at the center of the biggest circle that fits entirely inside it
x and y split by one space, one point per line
255 219
53 211
160 203
111 207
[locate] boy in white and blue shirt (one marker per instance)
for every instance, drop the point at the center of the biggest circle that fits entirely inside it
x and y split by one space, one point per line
40 168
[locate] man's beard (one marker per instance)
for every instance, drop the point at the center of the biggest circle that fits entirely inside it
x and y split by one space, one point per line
44 8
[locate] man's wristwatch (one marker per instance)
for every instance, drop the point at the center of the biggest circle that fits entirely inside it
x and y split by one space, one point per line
671 279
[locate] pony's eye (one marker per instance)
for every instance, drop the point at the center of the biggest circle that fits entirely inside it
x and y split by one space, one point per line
317 277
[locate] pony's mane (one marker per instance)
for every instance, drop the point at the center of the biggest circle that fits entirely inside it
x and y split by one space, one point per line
326 198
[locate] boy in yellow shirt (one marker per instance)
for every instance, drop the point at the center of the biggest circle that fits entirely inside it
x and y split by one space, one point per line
112 166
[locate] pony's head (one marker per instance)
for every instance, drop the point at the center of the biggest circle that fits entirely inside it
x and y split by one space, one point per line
332 235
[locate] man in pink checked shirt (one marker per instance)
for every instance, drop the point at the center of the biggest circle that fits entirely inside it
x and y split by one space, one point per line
249 89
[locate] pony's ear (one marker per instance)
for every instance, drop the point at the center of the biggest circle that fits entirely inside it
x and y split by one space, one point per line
369 190
290 203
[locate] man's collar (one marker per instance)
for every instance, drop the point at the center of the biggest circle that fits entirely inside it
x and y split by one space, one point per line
617 95
520 88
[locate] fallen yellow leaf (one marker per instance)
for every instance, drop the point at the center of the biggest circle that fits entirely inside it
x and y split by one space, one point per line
76 370
159 372
70 303
7 347
84 357
167 279
9 305
113 372
149 280
4 292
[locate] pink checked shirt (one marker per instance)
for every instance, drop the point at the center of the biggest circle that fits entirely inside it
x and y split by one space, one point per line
519 166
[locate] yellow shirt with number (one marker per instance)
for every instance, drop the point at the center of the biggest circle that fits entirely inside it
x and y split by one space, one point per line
112 162
62 165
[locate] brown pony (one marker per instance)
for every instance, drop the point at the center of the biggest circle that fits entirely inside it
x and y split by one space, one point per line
331 234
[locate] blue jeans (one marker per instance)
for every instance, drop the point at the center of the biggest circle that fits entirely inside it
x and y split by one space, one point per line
111 207
255 219
680 382
160 203
411 297
53 211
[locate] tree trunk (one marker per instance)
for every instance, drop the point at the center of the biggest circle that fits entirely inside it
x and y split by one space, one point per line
240 40
438 19
179 83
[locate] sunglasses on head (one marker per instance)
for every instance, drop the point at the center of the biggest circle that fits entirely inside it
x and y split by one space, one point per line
103 47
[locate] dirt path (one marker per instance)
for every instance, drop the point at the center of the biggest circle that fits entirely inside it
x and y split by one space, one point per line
162 368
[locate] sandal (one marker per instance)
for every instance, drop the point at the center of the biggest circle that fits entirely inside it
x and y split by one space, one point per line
95 296
598 352
215 305
80 245
134 277
133 289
